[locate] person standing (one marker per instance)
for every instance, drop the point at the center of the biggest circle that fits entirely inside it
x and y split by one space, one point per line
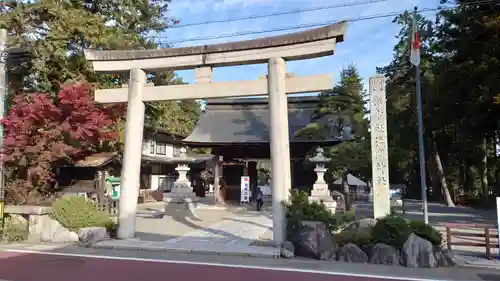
259 199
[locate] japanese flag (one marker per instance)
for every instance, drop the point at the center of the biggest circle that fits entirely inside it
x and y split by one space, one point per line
415 45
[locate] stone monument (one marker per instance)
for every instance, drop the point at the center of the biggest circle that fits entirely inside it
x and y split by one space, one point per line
320 191
380 155
182 191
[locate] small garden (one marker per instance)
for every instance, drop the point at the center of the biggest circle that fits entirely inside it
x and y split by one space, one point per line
72 219
315 232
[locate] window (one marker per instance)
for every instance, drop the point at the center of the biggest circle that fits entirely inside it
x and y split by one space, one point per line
161 148
177 151
151 147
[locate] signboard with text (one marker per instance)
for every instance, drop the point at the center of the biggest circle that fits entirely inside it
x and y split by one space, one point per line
245 189
498 218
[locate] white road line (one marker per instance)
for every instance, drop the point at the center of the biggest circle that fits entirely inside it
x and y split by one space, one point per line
230 266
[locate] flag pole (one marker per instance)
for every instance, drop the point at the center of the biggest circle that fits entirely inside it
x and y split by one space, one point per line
423 180
3 93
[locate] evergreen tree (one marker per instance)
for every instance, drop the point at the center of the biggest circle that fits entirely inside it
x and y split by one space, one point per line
344 107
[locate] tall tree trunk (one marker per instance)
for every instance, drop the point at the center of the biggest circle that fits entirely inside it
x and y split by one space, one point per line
441 176
483 171
436 193
346 191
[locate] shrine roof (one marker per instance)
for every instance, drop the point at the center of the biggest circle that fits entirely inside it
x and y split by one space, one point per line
247 120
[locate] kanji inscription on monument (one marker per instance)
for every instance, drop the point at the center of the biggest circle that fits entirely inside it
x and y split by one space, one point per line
380 163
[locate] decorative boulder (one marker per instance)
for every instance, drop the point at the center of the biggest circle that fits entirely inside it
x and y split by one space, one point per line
417 252
90 235
383 254
287 250
351 253
54 232
315 241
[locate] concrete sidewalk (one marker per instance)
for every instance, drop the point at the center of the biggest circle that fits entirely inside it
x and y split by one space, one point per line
231 235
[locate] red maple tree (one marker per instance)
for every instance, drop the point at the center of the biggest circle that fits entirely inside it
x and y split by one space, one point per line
40 130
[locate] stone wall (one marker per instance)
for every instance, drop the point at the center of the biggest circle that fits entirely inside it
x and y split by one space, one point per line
35 217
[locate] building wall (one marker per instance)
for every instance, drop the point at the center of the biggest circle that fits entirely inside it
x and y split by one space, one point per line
152 147
164 173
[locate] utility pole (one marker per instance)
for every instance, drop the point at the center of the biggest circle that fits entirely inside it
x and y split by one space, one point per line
415 60
3 93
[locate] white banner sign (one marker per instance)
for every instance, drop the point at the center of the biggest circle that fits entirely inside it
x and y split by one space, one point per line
245 190
498 218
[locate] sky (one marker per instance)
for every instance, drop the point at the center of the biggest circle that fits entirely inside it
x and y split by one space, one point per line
368 43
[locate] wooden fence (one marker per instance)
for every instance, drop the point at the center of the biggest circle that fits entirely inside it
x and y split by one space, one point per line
487 234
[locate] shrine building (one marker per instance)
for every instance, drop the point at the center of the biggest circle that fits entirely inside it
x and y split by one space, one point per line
238 132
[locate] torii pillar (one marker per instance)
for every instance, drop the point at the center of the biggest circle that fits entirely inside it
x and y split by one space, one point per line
280 144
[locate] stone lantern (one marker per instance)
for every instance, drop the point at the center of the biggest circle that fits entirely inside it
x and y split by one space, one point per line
320 191
182 191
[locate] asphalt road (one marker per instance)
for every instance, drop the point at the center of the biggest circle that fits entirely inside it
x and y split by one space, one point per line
41 267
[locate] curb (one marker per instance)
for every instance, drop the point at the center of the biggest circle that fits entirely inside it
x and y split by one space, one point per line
273 255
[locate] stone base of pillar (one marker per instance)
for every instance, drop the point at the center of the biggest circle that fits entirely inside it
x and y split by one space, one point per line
180 198
321 193
182 192
320 190
327 201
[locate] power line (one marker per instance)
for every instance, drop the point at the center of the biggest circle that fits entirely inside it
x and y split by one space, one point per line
310 25
316 24
319 8
294 27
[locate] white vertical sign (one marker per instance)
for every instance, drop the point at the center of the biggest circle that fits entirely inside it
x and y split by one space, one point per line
498 219
380 157
245 189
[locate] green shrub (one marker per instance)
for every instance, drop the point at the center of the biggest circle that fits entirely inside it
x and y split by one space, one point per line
111 227
362 238
391 230
426 232
14 230
300 209
75 212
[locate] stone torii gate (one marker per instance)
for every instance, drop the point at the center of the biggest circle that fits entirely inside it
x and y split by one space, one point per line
272 50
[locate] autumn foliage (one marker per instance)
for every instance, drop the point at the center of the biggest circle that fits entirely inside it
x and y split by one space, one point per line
40 129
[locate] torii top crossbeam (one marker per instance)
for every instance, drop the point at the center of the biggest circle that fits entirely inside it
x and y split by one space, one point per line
308 44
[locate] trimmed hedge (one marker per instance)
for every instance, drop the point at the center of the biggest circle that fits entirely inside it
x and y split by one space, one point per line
391 230
75 212
427 232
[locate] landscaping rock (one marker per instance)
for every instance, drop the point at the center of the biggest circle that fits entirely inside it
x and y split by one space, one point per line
90 235
417 252
287 250
53 231
383 254
352 253
315 241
